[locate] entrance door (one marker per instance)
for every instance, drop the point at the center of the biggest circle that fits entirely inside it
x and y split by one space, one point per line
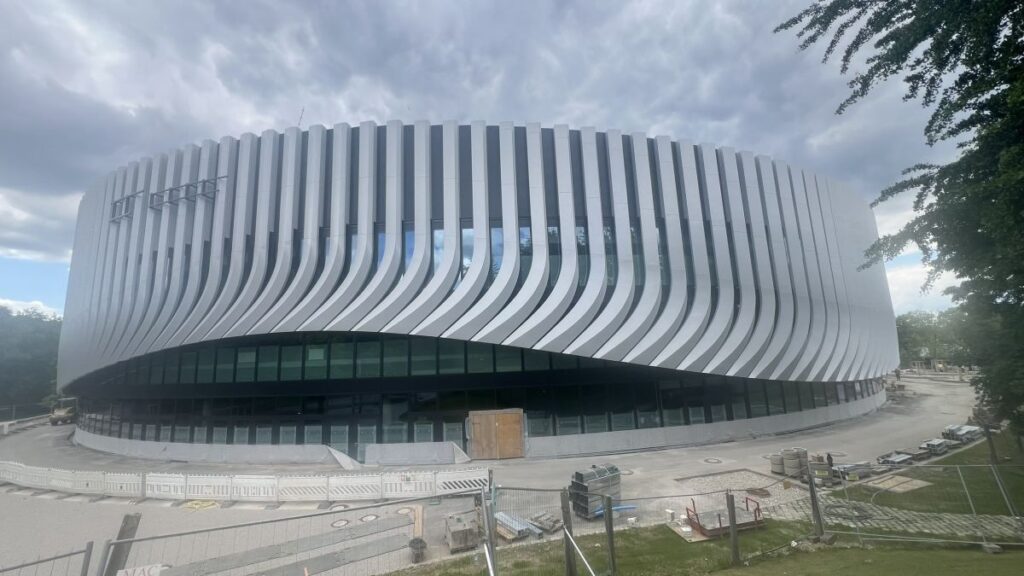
496 434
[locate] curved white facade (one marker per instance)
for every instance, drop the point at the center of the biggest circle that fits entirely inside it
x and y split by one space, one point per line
648 251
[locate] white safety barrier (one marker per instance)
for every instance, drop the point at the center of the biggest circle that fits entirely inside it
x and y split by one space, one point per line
12 426
252 488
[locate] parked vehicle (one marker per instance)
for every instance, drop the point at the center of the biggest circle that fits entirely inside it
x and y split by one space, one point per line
65 411
962 433
935 446
896 459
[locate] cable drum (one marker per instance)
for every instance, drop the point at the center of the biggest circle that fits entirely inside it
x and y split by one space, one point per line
790 462
802 452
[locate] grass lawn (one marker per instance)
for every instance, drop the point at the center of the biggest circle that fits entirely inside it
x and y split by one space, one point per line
657 551
887 560
946 492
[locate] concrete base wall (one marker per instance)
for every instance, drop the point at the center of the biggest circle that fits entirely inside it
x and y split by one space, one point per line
672 436
221 453
415 454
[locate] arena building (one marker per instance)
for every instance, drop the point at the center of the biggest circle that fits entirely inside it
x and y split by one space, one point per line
366 285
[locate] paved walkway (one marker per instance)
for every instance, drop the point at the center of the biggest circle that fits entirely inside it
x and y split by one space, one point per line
866 516
930 403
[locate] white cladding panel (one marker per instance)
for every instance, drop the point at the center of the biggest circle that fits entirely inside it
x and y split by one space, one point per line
621 247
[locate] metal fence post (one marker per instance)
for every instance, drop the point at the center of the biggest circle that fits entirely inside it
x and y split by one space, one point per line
118 556
734 538
609 529
489 527
102 567
819 527
86 558
570 552
856 523
1010 508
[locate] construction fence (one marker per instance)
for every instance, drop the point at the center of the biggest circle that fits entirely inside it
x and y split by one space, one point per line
73 563
344 539
254 488
522 531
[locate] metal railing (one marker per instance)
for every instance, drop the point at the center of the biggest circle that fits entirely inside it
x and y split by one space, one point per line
365 539
53 565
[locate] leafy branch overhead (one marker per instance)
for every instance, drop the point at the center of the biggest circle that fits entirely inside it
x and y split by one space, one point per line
964 59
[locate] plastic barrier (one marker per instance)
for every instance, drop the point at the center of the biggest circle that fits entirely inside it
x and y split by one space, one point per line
302 488
408 484
252 488
207 487
165 486
355 487
450 481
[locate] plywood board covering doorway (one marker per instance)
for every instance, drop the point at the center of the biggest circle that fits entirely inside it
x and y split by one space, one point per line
496 434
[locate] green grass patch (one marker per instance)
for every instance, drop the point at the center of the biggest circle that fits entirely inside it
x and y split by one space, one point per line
885 560
946 493
655 551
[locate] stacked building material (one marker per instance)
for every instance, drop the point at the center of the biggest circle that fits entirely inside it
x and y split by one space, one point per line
589 488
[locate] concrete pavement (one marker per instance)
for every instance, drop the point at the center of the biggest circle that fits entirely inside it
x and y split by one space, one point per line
39 525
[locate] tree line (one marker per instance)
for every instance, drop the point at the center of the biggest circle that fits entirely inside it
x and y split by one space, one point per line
28 356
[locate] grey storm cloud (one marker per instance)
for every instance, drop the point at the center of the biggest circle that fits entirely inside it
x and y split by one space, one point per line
90 86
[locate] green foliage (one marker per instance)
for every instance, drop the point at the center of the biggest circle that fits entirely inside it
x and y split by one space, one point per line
942 336
965 60
28 356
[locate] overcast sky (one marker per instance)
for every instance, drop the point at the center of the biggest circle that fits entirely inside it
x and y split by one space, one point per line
87 86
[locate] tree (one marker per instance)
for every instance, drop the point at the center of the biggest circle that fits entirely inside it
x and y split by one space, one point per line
28 356
964 59
924 336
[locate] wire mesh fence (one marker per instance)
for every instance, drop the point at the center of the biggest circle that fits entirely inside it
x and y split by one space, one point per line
530 534
934 503
74 563
519 531
343 539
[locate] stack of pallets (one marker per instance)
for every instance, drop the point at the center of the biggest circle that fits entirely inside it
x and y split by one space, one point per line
589 487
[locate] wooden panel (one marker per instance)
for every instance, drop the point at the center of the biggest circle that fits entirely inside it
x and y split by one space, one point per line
510 435
496 434
483 444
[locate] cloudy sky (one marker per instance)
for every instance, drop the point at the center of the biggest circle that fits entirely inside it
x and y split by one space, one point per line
88 86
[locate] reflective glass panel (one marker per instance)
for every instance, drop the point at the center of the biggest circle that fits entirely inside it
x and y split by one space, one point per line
508 359
396 356
368 358
424 356
342 364
291 362
245 370
267 370
312 433
451 357
339 437
225 365
316 362
479 357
